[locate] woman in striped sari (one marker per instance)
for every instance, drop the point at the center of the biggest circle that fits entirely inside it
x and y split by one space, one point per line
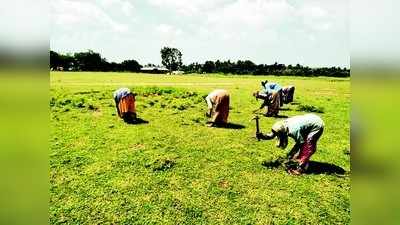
218 107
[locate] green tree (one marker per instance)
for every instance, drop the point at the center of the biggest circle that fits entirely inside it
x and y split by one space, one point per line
89 61
209 67
171 58
55 60
131 65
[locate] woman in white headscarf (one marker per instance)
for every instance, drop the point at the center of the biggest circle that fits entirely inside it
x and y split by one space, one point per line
305 130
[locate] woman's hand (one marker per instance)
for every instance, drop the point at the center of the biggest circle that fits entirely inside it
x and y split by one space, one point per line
208 113
268 136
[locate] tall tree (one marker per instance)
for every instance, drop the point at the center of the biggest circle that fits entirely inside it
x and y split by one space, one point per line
171 58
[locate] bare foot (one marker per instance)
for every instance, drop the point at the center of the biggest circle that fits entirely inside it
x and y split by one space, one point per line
295 172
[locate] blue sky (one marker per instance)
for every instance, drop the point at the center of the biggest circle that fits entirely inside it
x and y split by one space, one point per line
308 32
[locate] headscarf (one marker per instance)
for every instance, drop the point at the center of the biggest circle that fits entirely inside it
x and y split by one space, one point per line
281 130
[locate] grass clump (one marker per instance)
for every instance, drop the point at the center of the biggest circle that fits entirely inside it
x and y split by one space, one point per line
309 108
168 98
66 102
161 164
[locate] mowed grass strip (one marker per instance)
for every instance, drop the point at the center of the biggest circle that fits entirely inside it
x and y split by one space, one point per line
174 169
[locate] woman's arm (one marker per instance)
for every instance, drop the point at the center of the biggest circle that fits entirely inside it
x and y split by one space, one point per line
262 136
209 103
265 103
294 150
209 106
116 105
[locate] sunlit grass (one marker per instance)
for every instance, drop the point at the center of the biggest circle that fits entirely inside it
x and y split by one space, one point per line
174 169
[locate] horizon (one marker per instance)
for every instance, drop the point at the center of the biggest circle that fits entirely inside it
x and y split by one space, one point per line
233 61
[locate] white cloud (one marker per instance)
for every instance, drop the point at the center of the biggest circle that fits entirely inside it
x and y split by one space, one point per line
166 29
256 14
169 34
259 15
75 15
315 17
125 6
250 20
187 7
107 3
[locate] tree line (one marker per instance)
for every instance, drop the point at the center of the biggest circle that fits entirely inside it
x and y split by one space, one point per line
172 60
248 67
90 61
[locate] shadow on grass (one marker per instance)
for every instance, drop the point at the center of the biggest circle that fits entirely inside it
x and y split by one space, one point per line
233 126
268 116
277 116
313 167
324 168
136 121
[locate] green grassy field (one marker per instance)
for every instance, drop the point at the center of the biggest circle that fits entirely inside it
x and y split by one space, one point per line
174 169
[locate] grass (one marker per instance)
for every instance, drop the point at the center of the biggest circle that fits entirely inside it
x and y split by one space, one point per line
310 108
174 169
